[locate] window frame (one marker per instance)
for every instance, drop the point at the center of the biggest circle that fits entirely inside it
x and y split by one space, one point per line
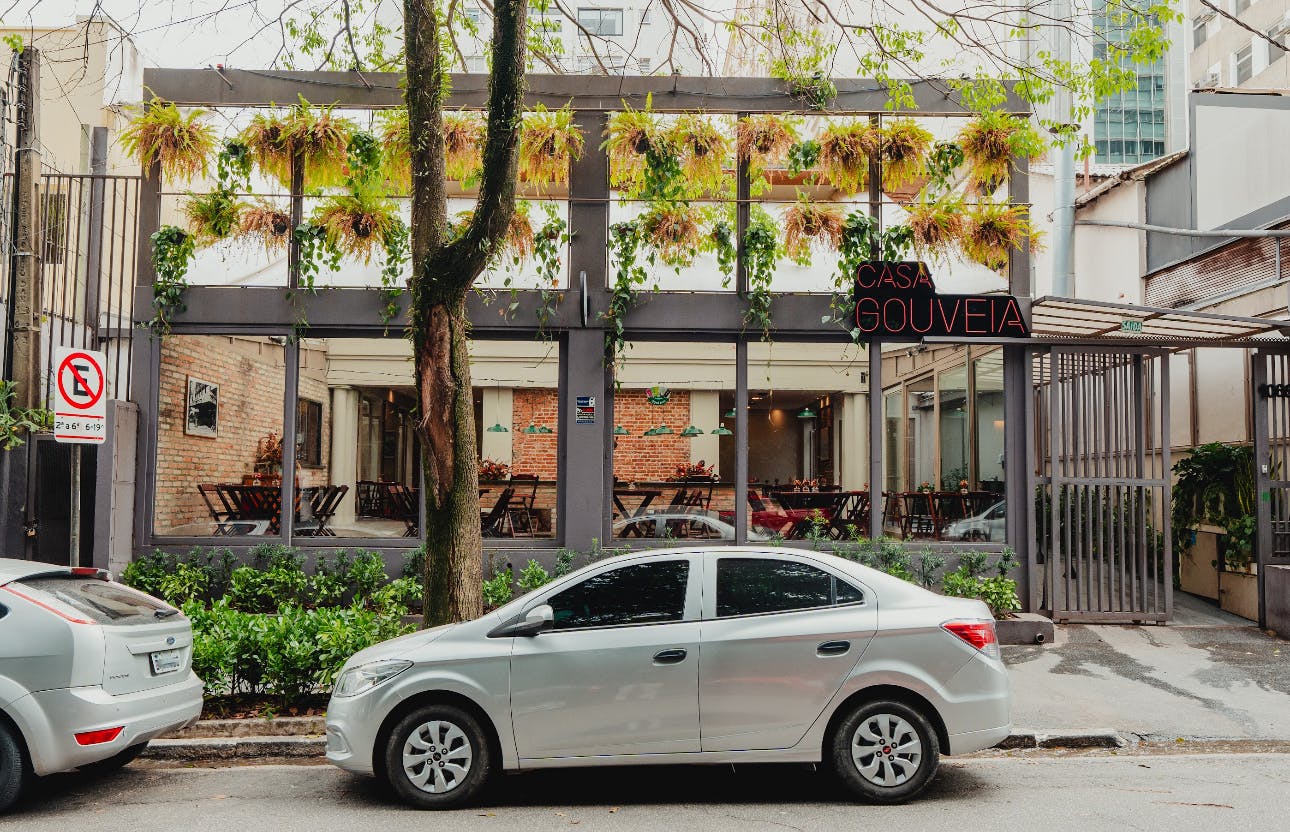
303 403
710 610
600 17
1247 60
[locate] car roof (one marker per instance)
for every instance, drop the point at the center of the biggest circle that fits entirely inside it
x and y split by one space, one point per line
13 570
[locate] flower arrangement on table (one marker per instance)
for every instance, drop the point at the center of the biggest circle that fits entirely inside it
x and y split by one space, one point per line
268 453
925 487
806 485
963 486
691 471
491 469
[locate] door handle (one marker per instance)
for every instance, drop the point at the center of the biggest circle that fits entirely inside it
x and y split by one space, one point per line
674 656
833 648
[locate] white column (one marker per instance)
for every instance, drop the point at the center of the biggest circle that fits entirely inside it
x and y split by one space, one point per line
344 452
853 441
499 406
705 414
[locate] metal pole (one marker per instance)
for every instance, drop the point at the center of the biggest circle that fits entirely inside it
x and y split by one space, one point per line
875 440
741 441
1064 180
1262 475
74 536
94 247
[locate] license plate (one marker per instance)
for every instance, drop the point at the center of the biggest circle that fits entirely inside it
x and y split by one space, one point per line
166 661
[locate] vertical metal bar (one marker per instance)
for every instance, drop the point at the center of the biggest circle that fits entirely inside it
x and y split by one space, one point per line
877 402
1057 449
1262 475
741 441
1166 465
1023 504
1078 556
743 208
127 294
291 388
1139 447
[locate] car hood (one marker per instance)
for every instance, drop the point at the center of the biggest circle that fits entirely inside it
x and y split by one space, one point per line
399 647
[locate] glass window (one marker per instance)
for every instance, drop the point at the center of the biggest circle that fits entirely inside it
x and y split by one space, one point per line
604 22
102 602
1239 6
309 439
954 429
1199 33
847 594
988 397
755 586
219 435
1244 60
643 593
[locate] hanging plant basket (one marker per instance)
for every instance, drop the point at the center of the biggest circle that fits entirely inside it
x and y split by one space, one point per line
990 141
396 149
630 135
213 216
520 239
181 142
845 151
318 136
463 146
266 224
357 223
705 153
811 224
675 232
905 150
764 139
549 144
936 225
992 230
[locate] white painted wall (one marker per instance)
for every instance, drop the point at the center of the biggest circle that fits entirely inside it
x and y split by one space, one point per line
1240 161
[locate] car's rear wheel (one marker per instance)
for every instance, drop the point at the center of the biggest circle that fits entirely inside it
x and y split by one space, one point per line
437 757
885 752
117 761
13 767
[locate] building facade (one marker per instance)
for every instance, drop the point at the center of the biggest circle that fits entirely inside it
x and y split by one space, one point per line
1224 55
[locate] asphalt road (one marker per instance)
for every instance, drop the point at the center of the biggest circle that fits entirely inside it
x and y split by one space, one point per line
1186 791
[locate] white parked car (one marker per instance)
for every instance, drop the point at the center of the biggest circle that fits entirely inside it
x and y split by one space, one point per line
90 671
663 525
989 525
717 655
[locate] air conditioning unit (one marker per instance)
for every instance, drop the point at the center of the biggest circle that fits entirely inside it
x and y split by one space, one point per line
1280 30
1206 16
1211 79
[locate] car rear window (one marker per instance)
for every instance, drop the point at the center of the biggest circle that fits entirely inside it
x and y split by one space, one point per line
101 601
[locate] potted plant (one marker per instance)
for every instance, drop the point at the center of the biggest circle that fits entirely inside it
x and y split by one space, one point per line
808 224
1213 515
764 139
267 224
313 133
463 145
181 142
396 149
674 231
992 230
845 151
213 216
705 152
492 471
905 149
630 135
519 239
549 144
990 142
936 225
358 222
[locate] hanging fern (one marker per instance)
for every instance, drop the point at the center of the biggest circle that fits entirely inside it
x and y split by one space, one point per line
172 251
761 253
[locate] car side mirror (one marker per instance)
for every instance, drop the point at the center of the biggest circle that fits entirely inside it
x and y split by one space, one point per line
536 620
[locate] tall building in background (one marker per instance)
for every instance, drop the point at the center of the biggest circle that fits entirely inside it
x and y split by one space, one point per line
1222 54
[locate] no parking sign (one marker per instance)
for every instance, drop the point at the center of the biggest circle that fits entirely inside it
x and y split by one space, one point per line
80 403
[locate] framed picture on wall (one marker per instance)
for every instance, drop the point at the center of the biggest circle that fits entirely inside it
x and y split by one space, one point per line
202 413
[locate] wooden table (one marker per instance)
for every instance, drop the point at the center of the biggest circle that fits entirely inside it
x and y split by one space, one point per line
646 495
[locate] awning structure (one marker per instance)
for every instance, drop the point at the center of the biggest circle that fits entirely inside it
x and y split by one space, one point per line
1071 319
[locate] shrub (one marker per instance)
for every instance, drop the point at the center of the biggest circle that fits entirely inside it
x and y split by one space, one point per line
533 576
498 589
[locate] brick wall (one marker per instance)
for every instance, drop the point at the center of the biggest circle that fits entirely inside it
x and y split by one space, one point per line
640 458
251 376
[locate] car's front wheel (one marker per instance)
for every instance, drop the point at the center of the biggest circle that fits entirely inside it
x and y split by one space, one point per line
437 757
13 767
885 752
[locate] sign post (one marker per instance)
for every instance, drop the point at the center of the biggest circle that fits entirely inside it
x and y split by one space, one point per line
80 400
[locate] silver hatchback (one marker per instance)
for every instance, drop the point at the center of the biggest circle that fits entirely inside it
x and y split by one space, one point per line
719 655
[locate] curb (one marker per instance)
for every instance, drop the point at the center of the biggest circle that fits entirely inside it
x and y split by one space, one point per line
1076 738
201 743
282 726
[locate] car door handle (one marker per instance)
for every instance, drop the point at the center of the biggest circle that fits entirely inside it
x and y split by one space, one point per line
833 648
674 656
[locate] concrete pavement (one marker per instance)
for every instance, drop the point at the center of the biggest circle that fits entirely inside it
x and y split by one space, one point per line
1078 793
1156 682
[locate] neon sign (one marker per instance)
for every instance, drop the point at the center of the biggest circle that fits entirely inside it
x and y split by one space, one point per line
897 300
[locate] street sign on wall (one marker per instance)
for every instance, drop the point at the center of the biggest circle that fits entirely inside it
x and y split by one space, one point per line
80 396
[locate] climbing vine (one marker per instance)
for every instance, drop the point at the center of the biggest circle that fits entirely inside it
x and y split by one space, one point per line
547 244
172 251
625 239
761 252
862 241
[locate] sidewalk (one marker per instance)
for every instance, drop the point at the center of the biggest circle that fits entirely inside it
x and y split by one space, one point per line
1209 675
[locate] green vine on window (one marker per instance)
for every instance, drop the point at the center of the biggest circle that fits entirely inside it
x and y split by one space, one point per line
625 239
863 241
316 251
17 422
723 243
547 244
233 165
172 251
761 252
397 244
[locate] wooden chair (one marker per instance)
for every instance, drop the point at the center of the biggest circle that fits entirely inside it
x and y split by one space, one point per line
404 506
920 515
949 506
222 513
494 522
520 514
322 507
371 499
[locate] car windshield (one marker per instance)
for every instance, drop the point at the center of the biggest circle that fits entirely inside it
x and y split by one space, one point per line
101 601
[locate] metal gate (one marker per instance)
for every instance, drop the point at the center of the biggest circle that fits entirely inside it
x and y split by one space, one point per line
1102 484
1270 377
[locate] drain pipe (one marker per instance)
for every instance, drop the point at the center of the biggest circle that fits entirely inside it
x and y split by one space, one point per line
1064 181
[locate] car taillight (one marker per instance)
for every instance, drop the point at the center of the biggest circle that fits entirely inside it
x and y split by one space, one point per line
979 634
99 737
50 607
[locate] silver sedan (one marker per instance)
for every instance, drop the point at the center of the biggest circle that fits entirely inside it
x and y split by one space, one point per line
718 655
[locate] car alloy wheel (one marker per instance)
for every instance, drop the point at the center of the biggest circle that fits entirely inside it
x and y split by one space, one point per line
437 756
884 751
13 768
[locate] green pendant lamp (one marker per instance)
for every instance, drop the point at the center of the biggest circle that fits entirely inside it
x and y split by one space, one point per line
691 431
806 413
729 414
619 430
497 428
722 430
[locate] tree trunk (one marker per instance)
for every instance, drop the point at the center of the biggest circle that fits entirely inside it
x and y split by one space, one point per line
454 547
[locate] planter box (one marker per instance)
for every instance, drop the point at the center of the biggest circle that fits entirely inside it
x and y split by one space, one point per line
1197 569
1238 593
